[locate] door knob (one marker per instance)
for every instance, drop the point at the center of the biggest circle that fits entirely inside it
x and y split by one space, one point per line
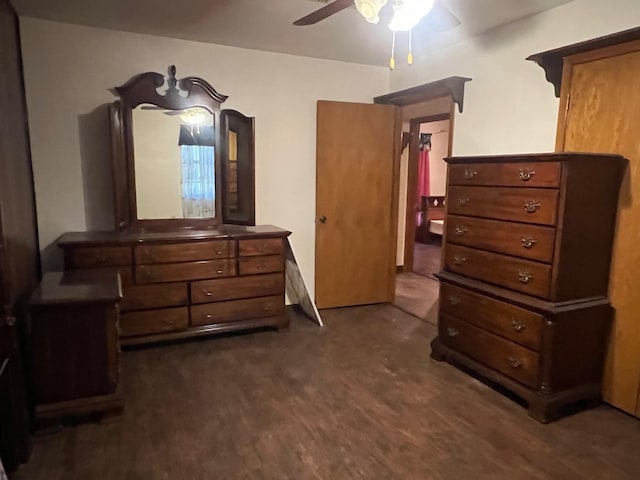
323 219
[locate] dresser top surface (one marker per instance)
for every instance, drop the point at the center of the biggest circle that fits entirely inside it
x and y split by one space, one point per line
536 157
221 232
77 287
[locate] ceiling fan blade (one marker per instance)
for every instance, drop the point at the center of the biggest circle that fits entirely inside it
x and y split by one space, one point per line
440 18
325 12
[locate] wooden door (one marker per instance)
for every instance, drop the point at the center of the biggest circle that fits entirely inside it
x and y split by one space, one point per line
356 203
601 98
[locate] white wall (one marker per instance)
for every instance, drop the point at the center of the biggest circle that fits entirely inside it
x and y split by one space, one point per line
509 106
69 70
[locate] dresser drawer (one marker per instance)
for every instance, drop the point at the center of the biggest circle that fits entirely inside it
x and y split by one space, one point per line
261 246
126 273
529 205
154 321
521 240
176 272
221 312
533 174
525 276
506 357
264 264
238 287
511 322
99 257
184 252
141 297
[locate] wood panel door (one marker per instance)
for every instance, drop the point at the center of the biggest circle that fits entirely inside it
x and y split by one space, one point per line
356 203
600 112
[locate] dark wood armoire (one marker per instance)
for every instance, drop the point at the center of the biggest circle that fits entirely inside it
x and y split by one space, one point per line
19 255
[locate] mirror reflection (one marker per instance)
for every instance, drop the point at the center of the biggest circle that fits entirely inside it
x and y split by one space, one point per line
174 162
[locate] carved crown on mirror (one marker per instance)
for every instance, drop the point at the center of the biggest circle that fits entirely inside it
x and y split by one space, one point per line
178 160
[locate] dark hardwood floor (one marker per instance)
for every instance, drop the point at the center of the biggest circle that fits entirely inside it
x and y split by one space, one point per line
427 259
357 399
417 295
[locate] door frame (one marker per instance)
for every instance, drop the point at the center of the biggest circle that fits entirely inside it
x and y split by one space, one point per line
412 182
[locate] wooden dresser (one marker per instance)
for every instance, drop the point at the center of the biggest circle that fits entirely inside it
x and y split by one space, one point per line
189 283
523 295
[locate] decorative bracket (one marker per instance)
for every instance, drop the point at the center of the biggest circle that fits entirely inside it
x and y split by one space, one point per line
453 86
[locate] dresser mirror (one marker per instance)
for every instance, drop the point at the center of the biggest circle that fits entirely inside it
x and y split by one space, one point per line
178 160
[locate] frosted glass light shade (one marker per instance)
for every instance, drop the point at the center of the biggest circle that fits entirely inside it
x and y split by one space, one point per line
370 9
407 14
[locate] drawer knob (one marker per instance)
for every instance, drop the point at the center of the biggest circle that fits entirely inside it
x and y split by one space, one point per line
207 292
452 332
470 173
461 229
459 260
518 325
531 206
526 174
524 276
528 241
515 362
462 201
453 300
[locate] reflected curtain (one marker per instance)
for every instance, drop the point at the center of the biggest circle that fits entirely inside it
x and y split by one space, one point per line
198 181
423 179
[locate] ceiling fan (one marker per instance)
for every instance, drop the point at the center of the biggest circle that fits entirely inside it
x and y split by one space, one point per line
440 17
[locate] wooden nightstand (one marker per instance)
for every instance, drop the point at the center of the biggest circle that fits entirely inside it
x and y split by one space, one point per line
73 345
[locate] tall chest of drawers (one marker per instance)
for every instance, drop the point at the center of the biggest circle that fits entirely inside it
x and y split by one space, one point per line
523 292
189 283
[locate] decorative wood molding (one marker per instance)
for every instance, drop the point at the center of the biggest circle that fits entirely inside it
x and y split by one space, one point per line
453 86
552 60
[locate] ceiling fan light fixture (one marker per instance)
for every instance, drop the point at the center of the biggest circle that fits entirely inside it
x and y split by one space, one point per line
370 9
407 13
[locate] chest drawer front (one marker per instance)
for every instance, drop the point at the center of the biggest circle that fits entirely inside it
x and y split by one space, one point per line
126 273
141 297
511 322
221 312
521 240
184 252
99 257
238 287
264 264
525 276
260 246
154 321
530 174
506 357
178 272
529 205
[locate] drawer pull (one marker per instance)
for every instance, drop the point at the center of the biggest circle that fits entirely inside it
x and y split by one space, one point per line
459 260
524 276
219 252
531 206
266 307
462 201
208 316
528 242
207 292
469 173
526 174
453 300
461 229
518 325
452 332
101 259
219 272
515 362
169 322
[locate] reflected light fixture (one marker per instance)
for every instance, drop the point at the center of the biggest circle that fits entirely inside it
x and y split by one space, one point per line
193 116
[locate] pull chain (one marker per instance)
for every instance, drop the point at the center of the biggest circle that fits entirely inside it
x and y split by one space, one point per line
392 62
410 55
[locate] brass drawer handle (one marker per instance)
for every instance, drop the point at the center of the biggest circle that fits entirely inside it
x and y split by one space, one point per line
260 266
208 316
453 300
219 252
266 307
515 362
207 292
470 173
524 276
462 201
219 272
526 174
461 230
531 206
452 332
169 322
528 241
102 259
459 260
518 325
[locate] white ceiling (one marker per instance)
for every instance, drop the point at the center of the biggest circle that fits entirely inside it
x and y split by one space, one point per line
267 24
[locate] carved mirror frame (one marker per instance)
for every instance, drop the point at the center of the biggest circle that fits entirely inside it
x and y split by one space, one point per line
186 93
